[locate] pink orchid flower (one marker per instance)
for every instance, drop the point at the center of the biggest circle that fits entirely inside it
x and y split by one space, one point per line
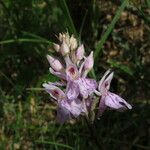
66 109
109 99
76 84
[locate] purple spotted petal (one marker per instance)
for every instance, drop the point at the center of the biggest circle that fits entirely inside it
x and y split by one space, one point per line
58 74
72 91
103 79
116 102
54 91
104 84
86 86
72 72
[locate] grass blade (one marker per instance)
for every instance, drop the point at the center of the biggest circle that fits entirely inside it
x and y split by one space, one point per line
24 40
56 144
68 17
82 25
110 28
148 3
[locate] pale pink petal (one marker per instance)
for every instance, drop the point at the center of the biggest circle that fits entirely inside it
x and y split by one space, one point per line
108 81
55 63
116 102
76 107
89 62
81 69
103 79
57 83
72 90
54 91
58 74
104 84
80 52
86 86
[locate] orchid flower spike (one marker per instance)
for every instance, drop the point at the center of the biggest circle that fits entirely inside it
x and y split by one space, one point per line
78 94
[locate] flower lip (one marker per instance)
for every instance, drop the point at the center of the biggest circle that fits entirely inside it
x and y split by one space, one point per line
72 70
55 93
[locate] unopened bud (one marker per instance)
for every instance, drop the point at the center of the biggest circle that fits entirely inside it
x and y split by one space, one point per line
54 63
89 62
64 37
67 38
60 37
80 52
64 49
73 43
56 47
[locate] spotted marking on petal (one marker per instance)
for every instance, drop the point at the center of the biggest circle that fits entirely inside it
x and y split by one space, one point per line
72 70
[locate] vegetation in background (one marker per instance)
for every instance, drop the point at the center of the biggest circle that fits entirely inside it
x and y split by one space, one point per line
119 33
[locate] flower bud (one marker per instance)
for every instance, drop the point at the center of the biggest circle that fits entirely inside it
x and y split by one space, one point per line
64 37
89 62
56 47
60 37
64 49
80 52
73 43
54 63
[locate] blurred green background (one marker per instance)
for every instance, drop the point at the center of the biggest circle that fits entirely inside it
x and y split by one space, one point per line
118 31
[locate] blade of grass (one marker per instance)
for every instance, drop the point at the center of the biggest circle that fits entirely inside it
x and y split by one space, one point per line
54 143
24 40
82 24
119 65
148 3
35 36
92 73
27 33
35 89
110 28
10 81
68 17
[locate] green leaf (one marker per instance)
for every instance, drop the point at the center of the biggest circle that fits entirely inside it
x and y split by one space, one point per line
120 66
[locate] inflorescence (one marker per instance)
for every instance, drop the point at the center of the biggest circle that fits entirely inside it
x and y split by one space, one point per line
75 93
